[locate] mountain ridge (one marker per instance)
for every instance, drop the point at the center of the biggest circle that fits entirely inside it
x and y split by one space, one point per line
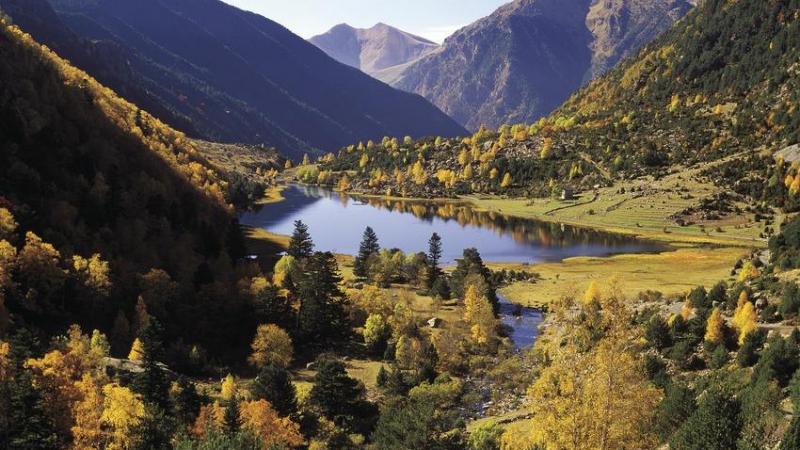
373 49
227 75
525 59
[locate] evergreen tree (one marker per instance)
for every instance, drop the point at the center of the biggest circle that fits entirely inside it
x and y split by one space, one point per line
232 421
471 263
678 404
152 383
369 246
382 378
321 315
434 255
28 426
715 425
338 396
300 245
273 385
657 333
155 430
187 402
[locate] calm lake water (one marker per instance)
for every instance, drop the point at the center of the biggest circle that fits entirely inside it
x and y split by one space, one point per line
337 223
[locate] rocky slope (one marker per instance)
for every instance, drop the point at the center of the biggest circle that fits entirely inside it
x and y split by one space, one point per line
223 74
525 59
373 50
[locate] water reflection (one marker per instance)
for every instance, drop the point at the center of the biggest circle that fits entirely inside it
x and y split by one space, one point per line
336 222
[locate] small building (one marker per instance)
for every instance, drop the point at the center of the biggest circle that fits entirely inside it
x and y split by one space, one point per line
567 194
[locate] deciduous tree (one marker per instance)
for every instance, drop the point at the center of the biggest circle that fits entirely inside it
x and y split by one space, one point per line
271 345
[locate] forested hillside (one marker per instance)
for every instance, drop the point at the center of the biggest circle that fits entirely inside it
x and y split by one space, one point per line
101 202
223 74
724 81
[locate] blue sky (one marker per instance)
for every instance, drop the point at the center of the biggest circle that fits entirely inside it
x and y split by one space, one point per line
432 19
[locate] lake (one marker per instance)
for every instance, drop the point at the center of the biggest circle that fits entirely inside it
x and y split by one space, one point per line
336 223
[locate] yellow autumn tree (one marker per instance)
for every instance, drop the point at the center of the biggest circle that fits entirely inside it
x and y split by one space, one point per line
715 328
93 272
597 398
478 314
88 431
263 421
271 345
288 164
283 267
228 389
506 181
137 351
592 293
122 413
745 320
547 148
7 224
748 272
57 372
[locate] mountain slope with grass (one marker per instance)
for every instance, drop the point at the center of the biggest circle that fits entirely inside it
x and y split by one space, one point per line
524 60
223 74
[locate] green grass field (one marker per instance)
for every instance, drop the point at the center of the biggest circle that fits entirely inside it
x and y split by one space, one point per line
673 272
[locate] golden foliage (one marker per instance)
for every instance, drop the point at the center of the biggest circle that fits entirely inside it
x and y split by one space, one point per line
262 420
94 273
137 351
745 318
122 412
88 431
595 398
749 271
7 224
715 328
271 345
479 315
506 181
592 294
229 389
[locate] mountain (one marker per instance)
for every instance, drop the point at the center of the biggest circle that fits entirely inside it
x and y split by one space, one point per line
525 59
99 200
718 93
223 74
372 50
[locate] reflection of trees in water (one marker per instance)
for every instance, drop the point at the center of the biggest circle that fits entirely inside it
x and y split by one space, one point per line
524 231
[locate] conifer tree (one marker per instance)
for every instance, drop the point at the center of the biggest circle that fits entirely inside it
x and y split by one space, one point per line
187 401
300 245
232 420
152 383
273 385
715 425
369 246
28 426
321 313
434 255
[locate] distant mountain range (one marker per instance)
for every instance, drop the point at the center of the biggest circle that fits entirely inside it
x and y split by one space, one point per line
224 74
373 50
525 59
